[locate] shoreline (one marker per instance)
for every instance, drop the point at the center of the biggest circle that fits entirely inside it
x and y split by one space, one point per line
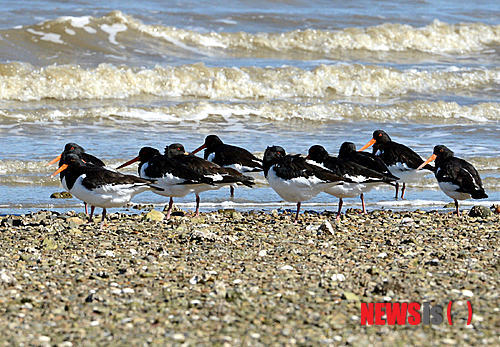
230 278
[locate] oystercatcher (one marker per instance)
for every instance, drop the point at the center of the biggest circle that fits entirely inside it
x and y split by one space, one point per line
79 150
369 160
229 156
99 186
220 176
401 160
88 158
456 177
176 179
296 179
364 179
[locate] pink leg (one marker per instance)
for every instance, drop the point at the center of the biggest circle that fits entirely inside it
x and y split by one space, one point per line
363 202
92 208
297 215
103 217
341 202
403 191
170 205
456 207
197 213
86 209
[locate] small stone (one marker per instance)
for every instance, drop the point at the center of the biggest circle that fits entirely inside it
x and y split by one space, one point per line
7 277
350 296
338 277
61 195
262 253
286 267
327 228
178 337
154 216
467 293
44 338
407 220
49 243
75 220
448 341
480 211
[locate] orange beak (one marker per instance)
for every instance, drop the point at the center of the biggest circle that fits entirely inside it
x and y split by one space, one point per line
371 142
56 159
128 163
431 158
199 149
61 169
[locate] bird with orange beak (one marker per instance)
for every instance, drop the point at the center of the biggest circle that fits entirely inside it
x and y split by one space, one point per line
401 160
456 177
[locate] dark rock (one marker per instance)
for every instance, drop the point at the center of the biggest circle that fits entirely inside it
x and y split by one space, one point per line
480 211
61 195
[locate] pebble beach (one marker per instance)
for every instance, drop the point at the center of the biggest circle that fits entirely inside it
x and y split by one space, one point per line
230 278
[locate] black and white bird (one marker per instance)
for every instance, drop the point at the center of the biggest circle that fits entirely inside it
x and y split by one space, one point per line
456 177
401 160
86 157
363 179
231 156
369 160
296 179
176 179
220 176
98 186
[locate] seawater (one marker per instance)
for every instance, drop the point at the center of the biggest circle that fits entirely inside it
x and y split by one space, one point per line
117 76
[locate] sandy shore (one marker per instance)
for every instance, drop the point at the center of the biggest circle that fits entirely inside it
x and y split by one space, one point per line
245 279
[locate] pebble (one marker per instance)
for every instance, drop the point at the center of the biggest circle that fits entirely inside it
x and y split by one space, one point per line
467 293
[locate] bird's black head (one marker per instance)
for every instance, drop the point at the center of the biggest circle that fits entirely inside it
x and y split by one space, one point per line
317 153
442 152
273 152
346 149
174 149
72 159
381 136
147 153
73 146
212 140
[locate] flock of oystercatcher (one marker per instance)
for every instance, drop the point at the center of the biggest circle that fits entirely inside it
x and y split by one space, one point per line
295 178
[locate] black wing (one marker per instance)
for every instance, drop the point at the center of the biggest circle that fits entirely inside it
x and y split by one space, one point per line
346 168
392 153
97 177
290 167
225 155
462 174
370 161
90 159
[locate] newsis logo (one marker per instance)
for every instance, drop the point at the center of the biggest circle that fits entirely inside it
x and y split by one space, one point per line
405 313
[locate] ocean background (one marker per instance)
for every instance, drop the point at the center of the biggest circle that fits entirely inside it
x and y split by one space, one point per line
115 76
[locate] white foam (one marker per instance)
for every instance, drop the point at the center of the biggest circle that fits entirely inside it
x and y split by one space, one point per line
113 30
55 38
149 116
